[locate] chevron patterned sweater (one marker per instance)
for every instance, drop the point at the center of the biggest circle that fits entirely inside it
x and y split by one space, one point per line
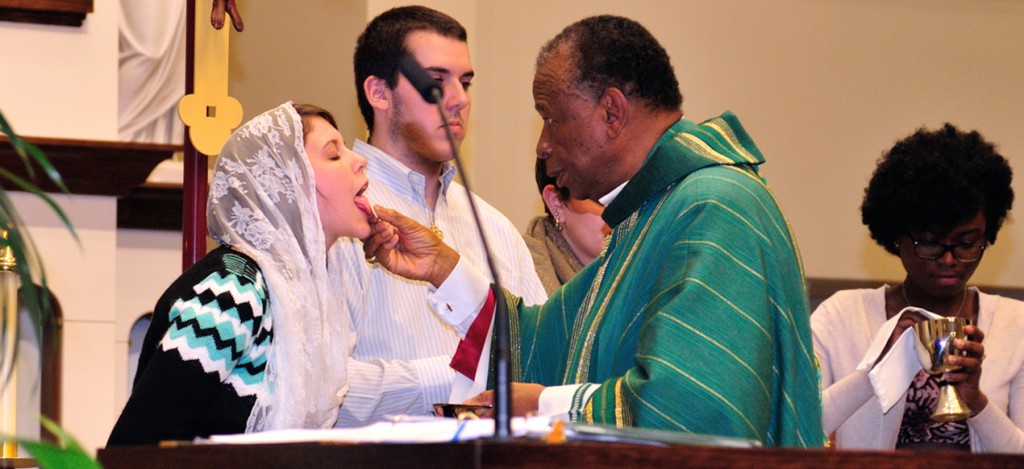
203 360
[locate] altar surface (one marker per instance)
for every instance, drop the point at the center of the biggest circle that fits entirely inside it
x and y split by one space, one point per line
528 453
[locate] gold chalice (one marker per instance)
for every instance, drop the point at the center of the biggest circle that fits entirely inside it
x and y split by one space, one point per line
934 344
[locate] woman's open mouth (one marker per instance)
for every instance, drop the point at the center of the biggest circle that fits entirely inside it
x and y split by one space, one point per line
364 205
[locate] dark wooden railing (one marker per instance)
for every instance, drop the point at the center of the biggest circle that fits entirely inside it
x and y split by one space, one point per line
91 167
60 12
117 169
55 12
531 453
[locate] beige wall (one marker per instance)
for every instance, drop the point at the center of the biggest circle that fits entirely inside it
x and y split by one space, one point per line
299 51
59 81
822 86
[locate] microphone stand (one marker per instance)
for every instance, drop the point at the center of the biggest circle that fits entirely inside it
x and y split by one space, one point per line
431 92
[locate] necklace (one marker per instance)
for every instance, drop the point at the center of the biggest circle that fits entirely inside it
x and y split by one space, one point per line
963 300
433 226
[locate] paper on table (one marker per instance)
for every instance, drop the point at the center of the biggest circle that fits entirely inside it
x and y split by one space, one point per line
434 430
892 375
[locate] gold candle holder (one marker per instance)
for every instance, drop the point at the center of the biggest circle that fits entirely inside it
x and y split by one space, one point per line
8 369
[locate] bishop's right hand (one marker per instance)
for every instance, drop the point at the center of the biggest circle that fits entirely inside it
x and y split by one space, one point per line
409 249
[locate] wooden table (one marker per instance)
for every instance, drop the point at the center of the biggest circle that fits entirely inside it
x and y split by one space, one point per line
530 453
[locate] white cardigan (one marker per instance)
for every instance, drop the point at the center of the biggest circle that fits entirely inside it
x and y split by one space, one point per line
845 325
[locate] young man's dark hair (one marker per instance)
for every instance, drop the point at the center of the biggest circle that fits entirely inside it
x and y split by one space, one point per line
383 43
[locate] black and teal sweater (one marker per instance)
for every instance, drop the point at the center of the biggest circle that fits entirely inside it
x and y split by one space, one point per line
203 361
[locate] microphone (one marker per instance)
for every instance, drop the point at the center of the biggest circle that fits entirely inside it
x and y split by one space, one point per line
432 92
428 87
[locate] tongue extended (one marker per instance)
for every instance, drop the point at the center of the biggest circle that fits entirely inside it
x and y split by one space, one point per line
366 207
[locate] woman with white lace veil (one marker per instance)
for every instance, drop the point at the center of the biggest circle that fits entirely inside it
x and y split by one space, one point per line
247 338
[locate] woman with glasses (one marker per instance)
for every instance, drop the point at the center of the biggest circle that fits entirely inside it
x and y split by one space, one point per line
936 200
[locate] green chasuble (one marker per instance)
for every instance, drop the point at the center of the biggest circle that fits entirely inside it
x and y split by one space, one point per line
695 318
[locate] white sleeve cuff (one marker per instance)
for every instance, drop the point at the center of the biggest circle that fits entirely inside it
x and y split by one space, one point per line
460 297
557 401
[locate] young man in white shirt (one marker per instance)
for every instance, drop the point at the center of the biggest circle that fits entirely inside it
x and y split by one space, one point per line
400 364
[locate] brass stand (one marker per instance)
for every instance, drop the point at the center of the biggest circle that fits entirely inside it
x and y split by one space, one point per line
8 365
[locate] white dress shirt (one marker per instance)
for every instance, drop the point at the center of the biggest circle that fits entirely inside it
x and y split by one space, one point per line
400 361
458 301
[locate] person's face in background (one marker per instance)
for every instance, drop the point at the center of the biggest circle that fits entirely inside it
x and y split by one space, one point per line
573 141
583 227
946 277
340 182
414 125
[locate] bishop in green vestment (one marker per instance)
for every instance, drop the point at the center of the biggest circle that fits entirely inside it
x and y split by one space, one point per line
695 317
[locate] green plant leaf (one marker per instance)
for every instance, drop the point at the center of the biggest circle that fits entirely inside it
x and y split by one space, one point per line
44 163
29 269
17 142
67 453
24 149
35 190
27 265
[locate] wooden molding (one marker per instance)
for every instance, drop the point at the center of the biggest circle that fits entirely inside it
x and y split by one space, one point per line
151 206
90 167
819 289
55 12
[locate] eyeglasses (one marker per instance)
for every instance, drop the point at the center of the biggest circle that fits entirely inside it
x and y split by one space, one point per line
963 252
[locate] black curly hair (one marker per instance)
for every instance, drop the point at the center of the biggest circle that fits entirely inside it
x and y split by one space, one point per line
615 52
933 181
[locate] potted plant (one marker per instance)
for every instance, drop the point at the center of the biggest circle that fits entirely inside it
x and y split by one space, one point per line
28 268
27 264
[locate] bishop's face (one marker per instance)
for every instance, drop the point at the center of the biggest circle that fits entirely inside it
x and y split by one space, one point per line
573 141
414 126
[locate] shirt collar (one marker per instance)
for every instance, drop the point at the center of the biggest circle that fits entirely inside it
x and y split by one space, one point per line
610 197
385 167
